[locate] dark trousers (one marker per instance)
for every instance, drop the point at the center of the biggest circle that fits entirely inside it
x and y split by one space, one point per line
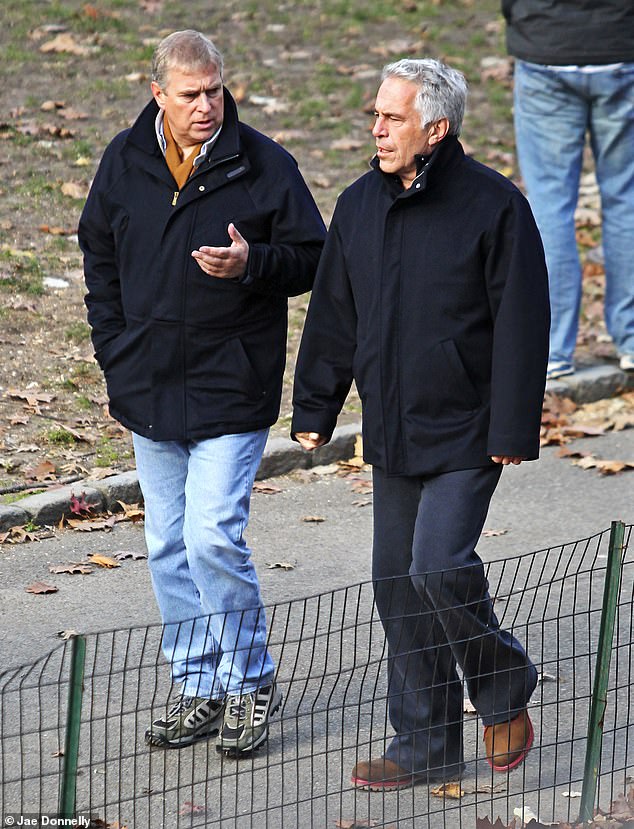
432 597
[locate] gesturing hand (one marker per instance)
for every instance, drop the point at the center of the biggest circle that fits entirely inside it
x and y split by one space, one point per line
228 262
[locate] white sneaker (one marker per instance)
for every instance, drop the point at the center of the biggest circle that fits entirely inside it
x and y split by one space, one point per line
627 362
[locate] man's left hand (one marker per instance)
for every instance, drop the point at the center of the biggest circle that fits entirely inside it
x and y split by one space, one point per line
505 460
225 263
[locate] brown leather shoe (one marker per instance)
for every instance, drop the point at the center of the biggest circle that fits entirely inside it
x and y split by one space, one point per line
382 775
508 743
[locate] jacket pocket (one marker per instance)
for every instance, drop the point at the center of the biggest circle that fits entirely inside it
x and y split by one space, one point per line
437 384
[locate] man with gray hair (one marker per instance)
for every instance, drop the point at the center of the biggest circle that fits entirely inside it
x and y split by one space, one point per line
432 295
196 231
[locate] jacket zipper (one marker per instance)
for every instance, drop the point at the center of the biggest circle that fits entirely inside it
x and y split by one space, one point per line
215 164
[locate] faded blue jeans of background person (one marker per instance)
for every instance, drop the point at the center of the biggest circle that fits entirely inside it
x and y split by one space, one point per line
197 497
555 110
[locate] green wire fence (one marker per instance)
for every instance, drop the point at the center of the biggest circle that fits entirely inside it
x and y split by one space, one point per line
72 723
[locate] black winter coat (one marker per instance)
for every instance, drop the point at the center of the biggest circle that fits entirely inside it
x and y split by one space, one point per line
570 32
435 300
187 356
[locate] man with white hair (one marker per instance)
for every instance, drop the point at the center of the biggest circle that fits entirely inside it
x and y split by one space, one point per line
196 231
431 294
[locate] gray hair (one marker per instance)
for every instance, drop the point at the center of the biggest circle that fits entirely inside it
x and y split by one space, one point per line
188 49
442 91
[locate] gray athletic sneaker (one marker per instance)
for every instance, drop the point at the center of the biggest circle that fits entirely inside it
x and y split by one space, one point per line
189 719
246 720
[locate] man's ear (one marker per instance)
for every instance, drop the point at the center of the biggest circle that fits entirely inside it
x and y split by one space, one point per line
159 95
438 131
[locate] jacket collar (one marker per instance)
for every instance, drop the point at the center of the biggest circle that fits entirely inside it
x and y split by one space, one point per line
430 169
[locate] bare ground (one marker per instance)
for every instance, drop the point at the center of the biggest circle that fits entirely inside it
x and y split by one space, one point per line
74 74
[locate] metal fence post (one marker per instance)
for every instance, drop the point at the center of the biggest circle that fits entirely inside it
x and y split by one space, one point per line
68 786
602 671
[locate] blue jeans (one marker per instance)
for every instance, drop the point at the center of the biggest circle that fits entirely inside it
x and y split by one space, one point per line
197 496
553 112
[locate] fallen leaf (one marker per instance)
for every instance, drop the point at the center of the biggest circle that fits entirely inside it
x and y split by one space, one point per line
66 634
451 790
72 569
103 561
86 526
313 519
75 189
266 489
281 565
571 794
79 506
189 808
52 106
131 512
44 471
31 397
65 42
120 555
41 587
493 533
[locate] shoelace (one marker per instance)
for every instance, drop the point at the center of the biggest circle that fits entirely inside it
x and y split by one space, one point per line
180 705
237 708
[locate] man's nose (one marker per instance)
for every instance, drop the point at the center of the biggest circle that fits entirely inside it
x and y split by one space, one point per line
203 102
379 127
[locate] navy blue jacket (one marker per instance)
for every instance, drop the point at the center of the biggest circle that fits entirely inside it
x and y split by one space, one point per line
435 300
187 356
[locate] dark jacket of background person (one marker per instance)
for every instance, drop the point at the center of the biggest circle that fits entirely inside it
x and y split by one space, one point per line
556 33
187 356
438 306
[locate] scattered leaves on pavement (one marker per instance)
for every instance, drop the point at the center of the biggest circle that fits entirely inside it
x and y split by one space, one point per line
563 421
23 534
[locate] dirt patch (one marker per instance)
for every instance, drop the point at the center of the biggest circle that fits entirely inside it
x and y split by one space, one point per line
306 73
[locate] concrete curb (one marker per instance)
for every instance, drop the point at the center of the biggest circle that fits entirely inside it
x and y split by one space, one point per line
280 456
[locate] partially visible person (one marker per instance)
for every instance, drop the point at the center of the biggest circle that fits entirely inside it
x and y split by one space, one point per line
574 78
432 294
196 230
